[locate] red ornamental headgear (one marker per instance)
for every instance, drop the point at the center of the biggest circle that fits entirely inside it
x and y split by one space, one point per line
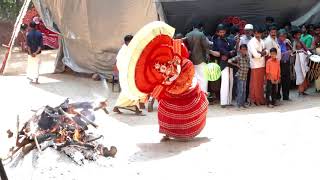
156 65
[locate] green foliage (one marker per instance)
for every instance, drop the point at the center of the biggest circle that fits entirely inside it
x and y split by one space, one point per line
9 9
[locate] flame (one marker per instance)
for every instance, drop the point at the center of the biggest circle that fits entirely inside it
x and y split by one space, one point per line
77 135
63 136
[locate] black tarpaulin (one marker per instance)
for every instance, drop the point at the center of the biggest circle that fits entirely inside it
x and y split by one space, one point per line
183 13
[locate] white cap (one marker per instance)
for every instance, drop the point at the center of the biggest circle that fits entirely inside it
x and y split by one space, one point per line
248 27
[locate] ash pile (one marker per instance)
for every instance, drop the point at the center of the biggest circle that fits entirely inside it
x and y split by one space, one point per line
64 128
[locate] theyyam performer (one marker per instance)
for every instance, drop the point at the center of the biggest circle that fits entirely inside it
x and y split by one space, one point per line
159 66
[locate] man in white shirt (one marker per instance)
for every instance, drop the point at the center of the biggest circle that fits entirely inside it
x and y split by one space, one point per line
257 52
248 34
272 42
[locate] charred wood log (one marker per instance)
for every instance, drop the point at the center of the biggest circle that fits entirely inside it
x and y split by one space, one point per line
74 154
27 148
104 151
94 139
87 120
10 133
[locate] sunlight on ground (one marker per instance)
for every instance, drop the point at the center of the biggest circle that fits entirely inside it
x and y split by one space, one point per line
255 144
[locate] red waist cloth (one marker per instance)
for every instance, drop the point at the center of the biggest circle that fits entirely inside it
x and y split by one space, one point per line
183 116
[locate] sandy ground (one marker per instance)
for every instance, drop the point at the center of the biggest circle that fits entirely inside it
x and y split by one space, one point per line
258 143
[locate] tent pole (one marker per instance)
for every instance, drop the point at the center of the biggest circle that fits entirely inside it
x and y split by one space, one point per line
15 32
160 11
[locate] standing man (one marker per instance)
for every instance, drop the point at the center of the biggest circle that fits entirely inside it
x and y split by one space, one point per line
234 36
257 53
272 42
125 100
244 39
199 44
316 40
301 62
269 21
34 46
286 51
316 50
248 34
224 47
306 38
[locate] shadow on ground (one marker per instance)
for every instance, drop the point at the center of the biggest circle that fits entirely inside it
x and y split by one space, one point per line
154 151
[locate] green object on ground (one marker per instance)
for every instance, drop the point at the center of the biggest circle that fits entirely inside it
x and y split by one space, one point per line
213 72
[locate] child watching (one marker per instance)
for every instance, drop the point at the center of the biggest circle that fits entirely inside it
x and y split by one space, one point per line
243 63
273 78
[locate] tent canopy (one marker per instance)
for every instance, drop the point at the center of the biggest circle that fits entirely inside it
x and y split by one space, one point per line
183 13
93 30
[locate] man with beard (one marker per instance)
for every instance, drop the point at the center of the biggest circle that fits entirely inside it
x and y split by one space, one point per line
272 42
257 53
248 34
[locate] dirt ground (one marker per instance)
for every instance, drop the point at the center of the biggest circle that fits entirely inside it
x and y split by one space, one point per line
258 143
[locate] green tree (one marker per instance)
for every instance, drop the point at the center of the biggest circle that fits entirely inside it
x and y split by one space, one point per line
9 9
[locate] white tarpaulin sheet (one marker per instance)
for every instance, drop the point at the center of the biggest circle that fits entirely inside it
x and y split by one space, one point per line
93 30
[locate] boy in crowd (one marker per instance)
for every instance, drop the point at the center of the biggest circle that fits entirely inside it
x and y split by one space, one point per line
273 78
243 63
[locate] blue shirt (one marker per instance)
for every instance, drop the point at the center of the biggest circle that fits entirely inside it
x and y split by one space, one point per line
34 40
284 49
224 46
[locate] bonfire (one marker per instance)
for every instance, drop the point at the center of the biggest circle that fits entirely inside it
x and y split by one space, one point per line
64 128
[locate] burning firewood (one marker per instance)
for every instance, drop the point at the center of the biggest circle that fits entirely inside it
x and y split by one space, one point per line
64 129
